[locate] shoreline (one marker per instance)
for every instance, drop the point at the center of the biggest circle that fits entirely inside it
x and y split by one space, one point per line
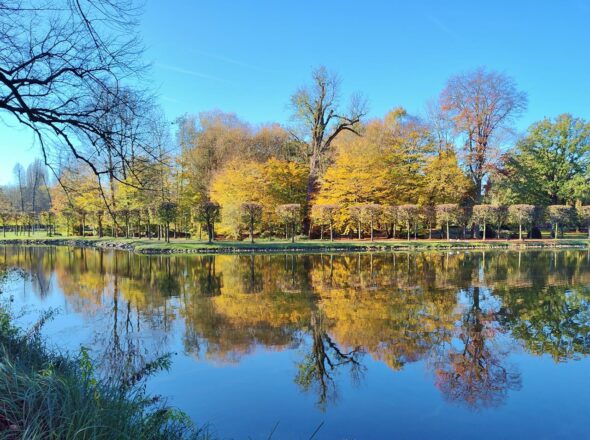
181 246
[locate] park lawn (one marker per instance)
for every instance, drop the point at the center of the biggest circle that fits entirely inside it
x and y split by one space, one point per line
181 245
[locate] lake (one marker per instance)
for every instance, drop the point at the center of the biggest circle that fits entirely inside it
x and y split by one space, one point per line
446 345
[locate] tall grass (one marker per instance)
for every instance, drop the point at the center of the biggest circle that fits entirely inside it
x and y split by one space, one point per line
46 395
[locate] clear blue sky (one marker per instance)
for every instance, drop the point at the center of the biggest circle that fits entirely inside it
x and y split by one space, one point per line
248 57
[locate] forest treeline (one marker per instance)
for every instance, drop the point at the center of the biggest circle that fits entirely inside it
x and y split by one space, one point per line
460 170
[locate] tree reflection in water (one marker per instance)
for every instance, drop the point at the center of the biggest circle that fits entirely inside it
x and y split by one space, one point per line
317 368
474 369
461 314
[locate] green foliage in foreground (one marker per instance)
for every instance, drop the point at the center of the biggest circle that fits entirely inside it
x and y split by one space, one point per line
45 395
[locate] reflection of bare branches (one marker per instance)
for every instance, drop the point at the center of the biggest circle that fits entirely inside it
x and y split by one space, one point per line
326 358
475 374
123 352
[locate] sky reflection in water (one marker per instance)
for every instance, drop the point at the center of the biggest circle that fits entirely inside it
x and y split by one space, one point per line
398 345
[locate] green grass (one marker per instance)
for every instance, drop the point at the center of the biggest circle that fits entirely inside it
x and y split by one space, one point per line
181 245
45 395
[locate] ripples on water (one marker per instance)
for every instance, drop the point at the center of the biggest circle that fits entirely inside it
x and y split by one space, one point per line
397 345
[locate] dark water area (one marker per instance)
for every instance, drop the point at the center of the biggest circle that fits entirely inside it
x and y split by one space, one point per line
446 345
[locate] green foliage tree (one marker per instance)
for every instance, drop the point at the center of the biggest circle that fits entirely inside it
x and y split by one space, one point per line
559 216
550 166
482 215
208 213
584 216
167 212
522 215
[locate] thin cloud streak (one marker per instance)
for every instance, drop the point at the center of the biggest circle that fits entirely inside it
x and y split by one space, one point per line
443 27
191 73
231 61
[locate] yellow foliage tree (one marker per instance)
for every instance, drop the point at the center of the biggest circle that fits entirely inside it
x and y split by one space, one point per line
384 166
273 183
444 181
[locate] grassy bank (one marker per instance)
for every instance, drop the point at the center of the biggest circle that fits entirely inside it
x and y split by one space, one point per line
45 395
268 246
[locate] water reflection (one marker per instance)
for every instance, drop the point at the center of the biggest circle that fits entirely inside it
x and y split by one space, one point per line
463 314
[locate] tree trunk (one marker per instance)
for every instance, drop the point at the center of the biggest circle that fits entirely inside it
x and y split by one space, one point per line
251 230
408 228
484 230
332 232
312 180
359 230
448 235
210 232
520 231
371 230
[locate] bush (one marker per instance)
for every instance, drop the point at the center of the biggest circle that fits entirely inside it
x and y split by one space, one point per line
46 395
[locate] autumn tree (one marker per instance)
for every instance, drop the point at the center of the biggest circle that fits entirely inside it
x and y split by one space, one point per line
323 215
357 216
446 213
444 181
390 217
6 212
372 213
558 216
167 212
289 214
393 151
481 104
429 216
522 215
409 214
236 183
251 214
208 213
316 107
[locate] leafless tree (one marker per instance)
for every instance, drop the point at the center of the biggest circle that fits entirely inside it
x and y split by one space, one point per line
56 58
317 109
481 104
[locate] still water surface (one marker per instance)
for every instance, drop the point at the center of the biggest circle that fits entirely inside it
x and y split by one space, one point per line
446 345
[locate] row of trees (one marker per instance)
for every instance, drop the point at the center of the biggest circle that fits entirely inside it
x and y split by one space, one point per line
387 220
72 74
343 172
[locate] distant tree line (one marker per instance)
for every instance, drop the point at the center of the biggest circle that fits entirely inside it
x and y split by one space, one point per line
457 172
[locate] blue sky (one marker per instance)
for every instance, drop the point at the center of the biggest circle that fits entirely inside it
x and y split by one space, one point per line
248 57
